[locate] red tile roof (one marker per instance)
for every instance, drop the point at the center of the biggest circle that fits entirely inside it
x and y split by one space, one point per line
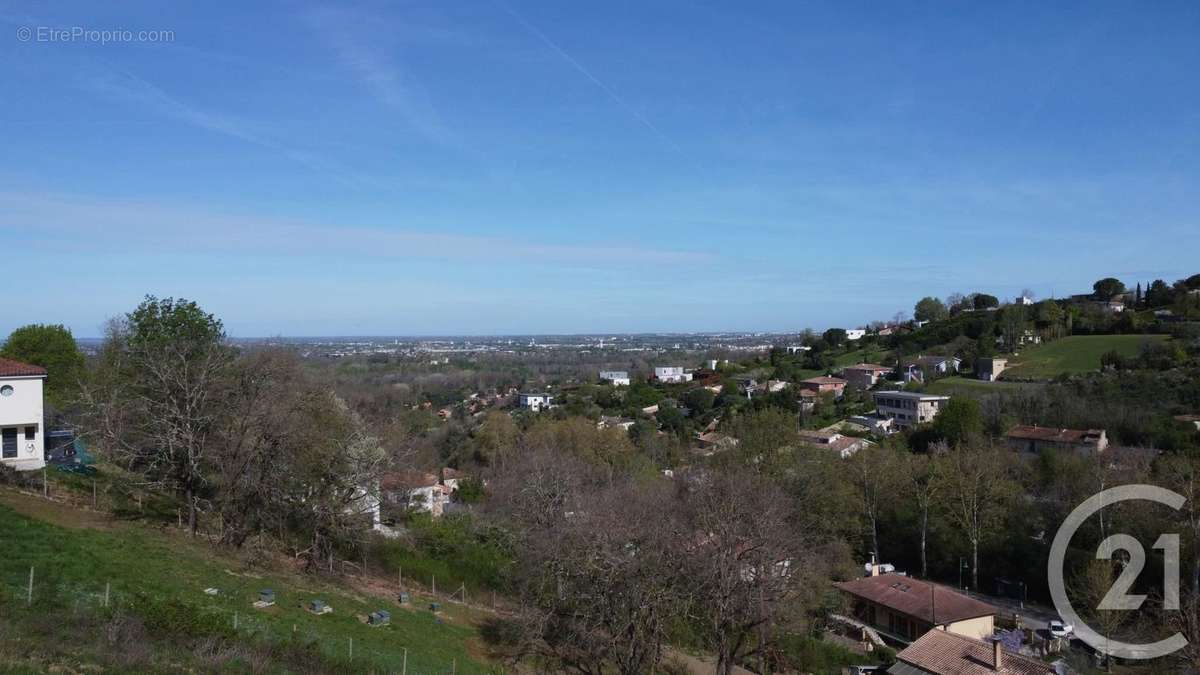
10 368
1035 433
946 653
824 380
917 598
871 367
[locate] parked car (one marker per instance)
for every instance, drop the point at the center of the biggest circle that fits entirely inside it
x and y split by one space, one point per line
1061 629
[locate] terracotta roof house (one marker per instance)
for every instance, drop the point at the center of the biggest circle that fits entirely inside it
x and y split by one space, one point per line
844 446
945 653
1034 439
864 375
823 384
10 368
22 415
902 608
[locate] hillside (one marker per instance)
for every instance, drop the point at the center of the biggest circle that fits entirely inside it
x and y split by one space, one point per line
160 618
1073 355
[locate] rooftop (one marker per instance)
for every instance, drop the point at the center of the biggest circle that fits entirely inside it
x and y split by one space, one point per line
11 368
1036 433
946 653
873 367
913 395
917 598
824 379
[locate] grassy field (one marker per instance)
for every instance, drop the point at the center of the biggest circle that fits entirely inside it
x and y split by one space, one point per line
967 386
157 579
1073 355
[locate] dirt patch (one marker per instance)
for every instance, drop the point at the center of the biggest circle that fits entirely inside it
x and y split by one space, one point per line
52 511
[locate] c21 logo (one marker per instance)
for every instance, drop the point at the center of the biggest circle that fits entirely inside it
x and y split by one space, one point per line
1118 597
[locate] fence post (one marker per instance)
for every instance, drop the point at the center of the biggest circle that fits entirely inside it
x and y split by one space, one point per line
107 584
45 484
404 663
29 593
433 583
94 494
351 649
235 617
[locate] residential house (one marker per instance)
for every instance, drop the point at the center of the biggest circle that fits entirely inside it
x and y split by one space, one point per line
908 408
942 652
798 349
833 441
1034 439
864 375
711 442
990 369
421 491
873 423
902 609
22 420
941 365
807 399
535 402
607 422
824 384
855 334
1024 300
619 378
894 330
1193 420
671 374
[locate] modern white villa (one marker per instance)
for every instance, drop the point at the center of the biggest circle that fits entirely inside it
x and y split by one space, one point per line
535 402
671 374
22 425
619 378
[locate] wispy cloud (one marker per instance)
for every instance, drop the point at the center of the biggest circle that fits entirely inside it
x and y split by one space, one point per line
129 88
609 91
354 40
107 224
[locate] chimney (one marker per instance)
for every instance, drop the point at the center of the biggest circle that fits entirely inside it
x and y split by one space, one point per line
997 654
874 566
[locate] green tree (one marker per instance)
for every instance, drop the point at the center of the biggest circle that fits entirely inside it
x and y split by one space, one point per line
1107 287
52 347
700 400
960 420
835 336
930 309
984 301
157 396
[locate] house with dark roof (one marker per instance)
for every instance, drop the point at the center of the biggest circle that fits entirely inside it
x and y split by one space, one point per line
1034 439
941 652
22 418
902 608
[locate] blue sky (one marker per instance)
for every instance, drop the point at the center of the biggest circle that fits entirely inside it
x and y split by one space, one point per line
508 166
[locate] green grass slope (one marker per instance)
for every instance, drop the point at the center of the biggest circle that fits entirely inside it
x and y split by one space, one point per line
160 620
1073 355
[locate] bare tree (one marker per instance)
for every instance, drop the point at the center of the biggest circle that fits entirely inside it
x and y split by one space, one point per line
875 472
978 486
925 481
746 563
153 400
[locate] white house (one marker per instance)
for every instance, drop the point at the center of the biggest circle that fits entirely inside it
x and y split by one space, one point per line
1024 300
618 377
535 402
671 374
22 432
855 333
908 408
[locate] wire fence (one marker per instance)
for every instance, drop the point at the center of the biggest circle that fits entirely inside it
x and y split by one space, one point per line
232 615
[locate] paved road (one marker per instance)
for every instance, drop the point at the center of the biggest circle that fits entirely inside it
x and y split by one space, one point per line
1032 615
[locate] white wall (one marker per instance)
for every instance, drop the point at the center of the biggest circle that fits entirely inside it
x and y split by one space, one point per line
24 408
